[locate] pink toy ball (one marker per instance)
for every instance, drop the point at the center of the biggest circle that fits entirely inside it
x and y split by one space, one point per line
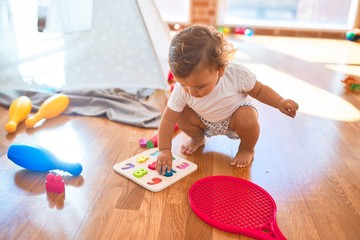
244 31
239 30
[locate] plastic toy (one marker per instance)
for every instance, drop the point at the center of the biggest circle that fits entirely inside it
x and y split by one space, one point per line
142 159
235 205
128 166
142 142
145 174
352 84
243 31
18 112
140 173
154 181
169 173
171 81
36 158
248 32
353 35
239 30
177 27
171 78
54 183
153 165
226 30
52 107
153 142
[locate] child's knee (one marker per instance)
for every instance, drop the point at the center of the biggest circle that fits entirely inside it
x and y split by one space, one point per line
244 118
189 117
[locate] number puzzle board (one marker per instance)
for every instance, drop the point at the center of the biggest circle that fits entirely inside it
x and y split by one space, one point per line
141 169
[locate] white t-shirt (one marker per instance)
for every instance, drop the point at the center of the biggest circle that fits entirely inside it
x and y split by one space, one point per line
229 93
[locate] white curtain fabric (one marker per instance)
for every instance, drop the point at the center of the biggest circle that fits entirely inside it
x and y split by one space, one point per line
68 16
116 44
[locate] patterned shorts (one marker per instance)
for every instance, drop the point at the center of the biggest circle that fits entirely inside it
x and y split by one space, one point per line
213 129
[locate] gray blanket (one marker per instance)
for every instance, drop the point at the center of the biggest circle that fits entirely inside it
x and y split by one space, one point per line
115 104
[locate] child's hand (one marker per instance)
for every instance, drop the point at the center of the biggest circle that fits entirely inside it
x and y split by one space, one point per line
288 107
164 161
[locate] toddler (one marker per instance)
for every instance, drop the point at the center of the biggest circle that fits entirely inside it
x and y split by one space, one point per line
212 97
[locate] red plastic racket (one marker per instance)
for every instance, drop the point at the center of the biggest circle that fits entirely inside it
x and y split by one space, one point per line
235 205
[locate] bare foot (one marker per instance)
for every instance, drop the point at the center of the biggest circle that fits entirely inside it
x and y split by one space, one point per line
243 158
192 145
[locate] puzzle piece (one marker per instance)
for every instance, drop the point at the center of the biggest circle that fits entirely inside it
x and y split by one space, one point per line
154 154
153 165
183 165
54 183
152 142
142 159
147 176
142 142
154 181
129 165
140 173
170 173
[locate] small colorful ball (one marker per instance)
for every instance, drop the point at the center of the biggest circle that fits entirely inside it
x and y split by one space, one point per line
226 30
239 30
249 32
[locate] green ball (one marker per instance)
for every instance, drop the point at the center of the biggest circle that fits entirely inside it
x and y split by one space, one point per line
350 35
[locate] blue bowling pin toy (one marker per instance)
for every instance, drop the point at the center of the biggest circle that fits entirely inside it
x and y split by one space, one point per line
36 158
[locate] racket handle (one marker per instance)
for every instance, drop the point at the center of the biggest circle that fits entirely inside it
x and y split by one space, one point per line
269 232
276 231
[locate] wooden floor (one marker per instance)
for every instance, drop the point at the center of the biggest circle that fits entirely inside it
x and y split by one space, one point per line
310 165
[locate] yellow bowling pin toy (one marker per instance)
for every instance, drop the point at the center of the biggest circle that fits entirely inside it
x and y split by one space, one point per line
18 112
52 107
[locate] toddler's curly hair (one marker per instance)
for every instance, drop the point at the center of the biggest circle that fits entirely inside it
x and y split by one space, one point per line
198 47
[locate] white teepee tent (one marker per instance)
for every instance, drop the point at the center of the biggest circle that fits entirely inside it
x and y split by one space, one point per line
122 44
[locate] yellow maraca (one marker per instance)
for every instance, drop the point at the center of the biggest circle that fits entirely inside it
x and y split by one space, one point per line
18 112
52 107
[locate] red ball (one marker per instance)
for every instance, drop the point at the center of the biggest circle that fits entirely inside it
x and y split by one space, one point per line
239 30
